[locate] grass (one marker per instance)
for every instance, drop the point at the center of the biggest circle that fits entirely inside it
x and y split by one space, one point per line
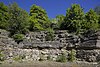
61 58
46 64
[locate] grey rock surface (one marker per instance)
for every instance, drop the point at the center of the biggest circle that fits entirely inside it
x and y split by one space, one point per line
35 47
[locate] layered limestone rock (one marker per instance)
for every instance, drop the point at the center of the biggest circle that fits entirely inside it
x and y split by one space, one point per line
36 47
5 40
38 39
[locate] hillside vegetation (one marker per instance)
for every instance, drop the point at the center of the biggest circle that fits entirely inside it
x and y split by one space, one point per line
18 21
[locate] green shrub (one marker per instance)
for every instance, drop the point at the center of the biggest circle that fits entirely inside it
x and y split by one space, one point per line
18 37
71 56
19 19
19 58
49 58
50 35
1 56
61 58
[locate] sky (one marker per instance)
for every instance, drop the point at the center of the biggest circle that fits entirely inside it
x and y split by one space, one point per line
54 7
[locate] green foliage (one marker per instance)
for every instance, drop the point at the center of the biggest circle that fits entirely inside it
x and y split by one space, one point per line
61 58
56 22
49 58
92 20
1 56
76 21
18 37
60 19
72 56
4 16
34 25
50 35
38 19
99 20
18 21
73 19
18 58
97 10
53 24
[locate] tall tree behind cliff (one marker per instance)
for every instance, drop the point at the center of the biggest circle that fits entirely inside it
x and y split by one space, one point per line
4 16
18 19
92 20
97 10
60 19
38 18
73 19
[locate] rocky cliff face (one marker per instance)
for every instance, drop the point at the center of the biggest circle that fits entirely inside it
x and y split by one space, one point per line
35 46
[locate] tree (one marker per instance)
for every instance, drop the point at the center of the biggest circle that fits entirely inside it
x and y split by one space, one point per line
92 20
60 19
38 18
97 10
18 19
4 16
73 19
56 22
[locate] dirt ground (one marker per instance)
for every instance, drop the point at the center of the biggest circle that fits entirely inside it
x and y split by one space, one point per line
45 64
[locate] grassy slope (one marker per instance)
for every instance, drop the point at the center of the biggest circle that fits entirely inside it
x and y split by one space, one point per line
45 64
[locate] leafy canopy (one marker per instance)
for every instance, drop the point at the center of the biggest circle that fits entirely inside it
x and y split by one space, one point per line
73 19
92 20
18 22
38 18
4 16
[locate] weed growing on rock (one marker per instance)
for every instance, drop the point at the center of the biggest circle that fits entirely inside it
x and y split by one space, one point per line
50 35
1 56
18 37
61 58
71 56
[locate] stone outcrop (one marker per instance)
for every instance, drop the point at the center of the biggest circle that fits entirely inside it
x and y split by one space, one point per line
5 40
90 40
38 39
35 46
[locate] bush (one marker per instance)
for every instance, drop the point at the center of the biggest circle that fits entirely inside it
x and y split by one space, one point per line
19 58
19 19
50 35
49 58
61 58
71 56
18 37
1 56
